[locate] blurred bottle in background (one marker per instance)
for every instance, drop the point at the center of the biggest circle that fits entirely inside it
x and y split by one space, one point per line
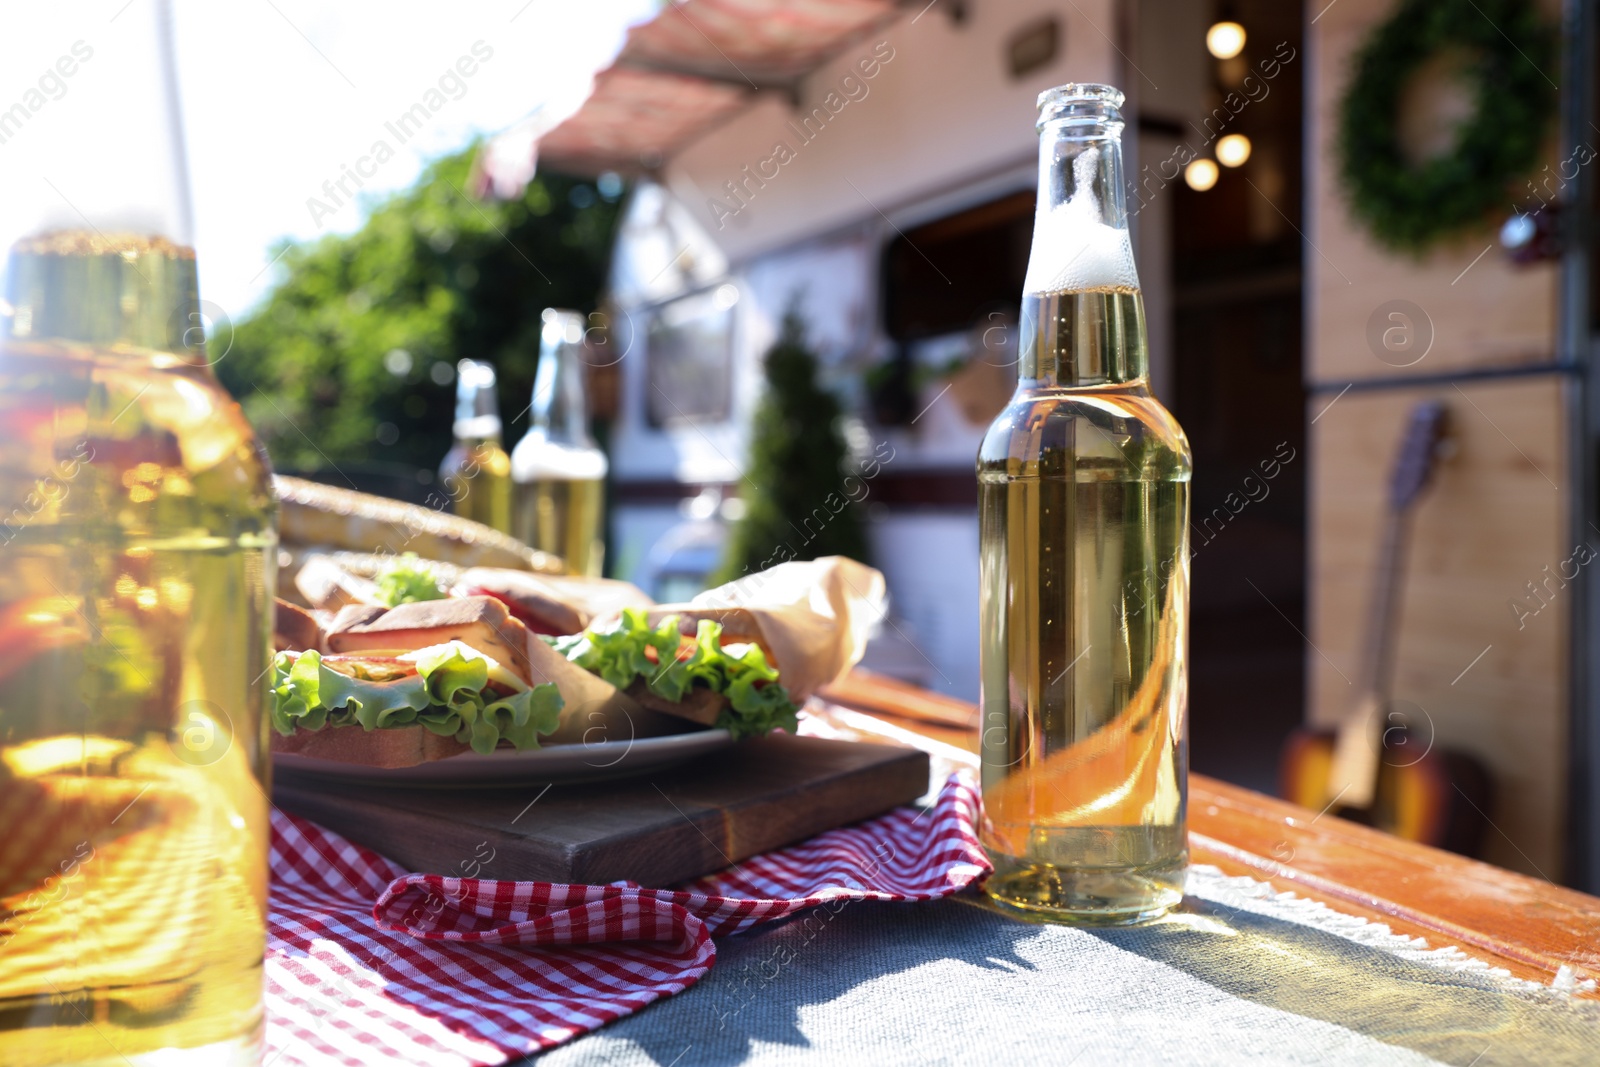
476 472
559 472
137 564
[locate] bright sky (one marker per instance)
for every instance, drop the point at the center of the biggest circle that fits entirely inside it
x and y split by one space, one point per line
279 97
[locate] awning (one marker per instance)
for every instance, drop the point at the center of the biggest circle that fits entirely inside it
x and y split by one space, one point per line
694 66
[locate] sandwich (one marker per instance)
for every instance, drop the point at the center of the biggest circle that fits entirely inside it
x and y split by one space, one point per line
431 676
695 677
426 674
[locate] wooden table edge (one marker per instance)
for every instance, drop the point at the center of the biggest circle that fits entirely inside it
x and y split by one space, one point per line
1537 929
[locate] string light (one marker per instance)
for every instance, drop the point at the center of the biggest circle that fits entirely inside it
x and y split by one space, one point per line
1233 150
1225 39
1201 175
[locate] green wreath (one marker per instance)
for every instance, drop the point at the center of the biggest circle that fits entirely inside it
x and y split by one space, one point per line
1408 208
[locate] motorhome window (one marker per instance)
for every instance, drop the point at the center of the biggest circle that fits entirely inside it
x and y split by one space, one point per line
690 360
945 275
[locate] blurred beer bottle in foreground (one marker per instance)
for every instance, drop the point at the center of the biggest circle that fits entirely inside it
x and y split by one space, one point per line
137 565
1083 497
476 472
559 473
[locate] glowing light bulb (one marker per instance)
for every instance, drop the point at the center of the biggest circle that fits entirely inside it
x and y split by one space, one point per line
1233 150
1225 40
1201 175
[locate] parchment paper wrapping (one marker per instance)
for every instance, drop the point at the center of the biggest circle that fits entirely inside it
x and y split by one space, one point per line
812 619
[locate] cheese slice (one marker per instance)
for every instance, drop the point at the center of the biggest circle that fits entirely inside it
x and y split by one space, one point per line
479 621
497 672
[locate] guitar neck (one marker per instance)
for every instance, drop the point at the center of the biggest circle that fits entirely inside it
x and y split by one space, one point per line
1352 776
1377 659
1353 772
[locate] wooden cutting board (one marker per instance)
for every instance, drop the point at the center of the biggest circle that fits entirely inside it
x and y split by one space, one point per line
659 829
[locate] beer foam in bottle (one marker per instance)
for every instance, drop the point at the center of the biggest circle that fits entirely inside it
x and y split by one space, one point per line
1073 248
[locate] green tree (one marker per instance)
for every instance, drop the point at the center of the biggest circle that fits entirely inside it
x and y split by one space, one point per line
349 340
796 502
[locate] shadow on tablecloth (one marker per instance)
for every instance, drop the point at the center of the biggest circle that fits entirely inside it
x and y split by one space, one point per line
951 982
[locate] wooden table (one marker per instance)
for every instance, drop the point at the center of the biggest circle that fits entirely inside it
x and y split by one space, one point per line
1530 927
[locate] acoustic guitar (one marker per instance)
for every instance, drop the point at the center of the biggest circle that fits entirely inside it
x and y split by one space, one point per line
1379 767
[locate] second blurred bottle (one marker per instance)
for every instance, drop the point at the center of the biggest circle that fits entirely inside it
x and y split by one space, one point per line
558 471
476 472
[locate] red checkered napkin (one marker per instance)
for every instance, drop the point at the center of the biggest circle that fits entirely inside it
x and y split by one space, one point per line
473 971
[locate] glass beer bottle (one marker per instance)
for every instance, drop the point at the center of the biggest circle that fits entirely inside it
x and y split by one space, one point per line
559 473
1083 490
476 472
137 565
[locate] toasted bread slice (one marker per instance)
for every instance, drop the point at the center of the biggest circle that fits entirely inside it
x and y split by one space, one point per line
352 615
405 746
326 585
528 598
313 514
698 704
553 604
479 621
293 628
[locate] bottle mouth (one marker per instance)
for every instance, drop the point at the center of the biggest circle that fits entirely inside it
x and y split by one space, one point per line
1081 103
474 374
561 326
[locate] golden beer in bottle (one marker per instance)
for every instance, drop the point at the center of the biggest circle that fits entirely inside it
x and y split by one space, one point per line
560 475
476 472
1083 496
137 565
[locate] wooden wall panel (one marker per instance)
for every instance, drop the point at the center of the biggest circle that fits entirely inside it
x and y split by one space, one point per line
1493 314
1494 519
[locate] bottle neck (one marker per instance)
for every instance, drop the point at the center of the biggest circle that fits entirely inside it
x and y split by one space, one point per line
477 404
117 291
106 260
1082 321
559 411
1082 339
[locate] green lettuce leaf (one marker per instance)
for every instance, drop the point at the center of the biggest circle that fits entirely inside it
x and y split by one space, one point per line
758 704
445 696
523 717
406 580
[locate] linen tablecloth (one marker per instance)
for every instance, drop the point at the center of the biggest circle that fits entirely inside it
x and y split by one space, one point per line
1241 974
